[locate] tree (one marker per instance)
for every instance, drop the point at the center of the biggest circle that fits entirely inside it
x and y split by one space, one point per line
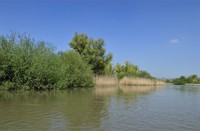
130 70
109 71
74 71
193 79
27 64
92 51
143 74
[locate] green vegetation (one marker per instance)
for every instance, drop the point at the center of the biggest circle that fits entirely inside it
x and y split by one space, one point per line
130 70
93 52
182 80
27 64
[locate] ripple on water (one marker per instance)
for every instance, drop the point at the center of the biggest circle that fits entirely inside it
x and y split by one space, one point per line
116 110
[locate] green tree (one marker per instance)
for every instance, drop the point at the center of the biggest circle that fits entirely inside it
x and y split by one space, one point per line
130 70
109 71
92 51
182 80
6 57
27 64
74 71
143 74
193 79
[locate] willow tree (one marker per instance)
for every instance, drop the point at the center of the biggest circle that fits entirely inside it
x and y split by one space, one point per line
92 51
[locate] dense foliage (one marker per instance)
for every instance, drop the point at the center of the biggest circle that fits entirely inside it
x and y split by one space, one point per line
182 80
27 64
130 70
92 51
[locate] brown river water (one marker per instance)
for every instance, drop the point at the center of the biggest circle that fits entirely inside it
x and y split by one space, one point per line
168 108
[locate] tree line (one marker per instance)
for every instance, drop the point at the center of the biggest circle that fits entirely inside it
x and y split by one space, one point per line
182 80
29 64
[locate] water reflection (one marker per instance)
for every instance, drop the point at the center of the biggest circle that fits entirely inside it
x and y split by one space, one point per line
125 90
188 88
108 108
138 89
105 91
53 110
78 109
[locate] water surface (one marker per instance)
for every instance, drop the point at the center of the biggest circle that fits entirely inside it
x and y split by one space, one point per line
170 108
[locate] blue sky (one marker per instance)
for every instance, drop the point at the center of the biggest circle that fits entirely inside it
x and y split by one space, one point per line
161 37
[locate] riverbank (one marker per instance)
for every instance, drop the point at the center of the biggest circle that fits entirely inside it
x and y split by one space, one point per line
126 81
190 84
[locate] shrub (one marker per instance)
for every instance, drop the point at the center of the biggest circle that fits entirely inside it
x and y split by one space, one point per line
26 64
74 71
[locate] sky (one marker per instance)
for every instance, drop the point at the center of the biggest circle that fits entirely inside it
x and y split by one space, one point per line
160 36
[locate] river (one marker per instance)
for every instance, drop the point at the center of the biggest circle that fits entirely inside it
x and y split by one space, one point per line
168 108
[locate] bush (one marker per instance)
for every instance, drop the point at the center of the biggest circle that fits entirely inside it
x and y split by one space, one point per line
26 64
182 80
74 71
179 82
130 70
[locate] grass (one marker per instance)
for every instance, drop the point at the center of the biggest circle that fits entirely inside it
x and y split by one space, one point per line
160 82
109 91
109 85
105 81
127 81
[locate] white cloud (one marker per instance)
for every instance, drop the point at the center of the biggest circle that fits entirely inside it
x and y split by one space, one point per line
174 41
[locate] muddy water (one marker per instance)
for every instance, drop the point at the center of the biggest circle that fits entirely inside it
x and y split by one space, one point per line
127 108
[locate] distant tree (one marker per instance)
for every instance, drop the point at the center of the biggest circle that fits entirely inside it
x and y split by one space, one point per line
125 70
193 79
128 67
180 81
130 70
92 51
143 74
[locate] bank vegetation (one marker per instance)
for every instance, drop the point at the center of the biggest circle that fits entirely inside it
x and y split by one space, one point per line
28 64
182 80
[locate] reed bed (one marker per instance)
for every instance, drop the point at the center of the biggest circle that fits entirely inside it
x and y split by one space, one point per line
106 81
110 85
160 82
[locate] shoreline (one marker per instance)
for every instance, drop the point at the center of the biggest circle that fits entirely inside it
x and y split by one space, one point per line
190 84
107 81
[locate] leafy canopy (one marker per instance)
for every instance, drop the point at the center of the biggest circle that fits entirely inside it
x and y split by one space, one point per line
27 64
130 70
92 51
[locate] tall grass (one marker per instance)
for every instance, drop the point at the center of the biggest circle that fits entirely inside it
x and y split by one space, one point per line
105 81
160 82
127 81
109 85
